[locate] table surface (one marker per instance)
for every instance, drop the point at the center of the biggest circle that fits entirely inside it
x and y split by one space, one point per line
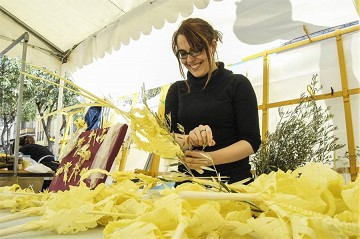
23 173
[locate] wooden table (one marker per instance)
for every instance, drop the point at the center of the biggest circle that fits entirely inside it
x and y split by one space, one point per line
23 173
24 179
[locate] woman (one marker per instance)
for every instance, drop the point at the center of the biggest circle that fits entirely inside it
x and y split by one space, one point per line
39 153
217 108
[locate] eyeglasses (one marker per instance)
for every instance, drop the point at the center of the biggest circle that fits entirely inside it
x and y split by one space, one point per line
184 54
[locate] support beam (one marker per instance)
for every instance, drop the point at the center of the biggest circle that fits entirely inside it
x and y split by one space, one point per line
14 43
25 37
52 46
265 103
347 106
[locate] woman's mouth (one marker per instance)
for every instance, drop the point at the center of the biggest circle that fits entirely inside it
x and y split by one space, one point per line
195 67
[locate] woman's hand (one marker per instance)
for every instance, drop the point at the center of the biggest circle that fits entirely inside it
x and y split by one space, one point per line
200 136
195 159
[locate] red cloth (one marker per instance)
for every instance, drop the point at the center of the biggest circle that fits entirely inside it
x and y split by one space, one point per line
58 180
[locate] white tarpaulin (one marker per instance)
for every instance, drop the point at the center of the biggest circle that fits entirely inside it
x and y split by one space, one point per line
248 27
77 32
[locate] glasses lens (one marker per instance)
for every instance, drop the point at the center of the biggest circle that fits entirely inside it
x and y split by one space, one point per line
195 53
182 54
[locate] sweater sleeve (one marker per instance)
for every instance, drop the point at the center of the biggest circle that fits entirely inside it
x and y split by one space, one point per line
172 106
246 110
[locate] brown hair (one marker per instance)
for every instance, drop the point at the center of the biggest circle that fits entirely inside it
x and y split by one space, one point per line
26 140
200 35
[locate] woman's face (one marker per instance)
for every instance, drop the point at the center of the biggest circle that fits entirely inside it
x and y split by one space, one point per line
198 66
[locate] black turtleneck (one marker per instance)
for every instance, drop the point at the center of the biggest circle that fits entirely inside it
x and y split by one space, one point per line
227 104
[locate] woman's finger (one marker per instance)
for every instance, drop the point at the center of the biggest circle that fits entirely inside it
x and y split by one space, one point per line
201 136
196 159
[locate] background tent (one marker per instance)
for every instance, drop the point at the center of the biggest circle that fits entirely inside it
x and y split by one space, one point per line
75 33
248 27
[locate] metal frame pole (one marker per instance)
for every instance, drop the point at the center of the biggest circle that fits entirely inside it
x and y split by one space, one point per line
25 36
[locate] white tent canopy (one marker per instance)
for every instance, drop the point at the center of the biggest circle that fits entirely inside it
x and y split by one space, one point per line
248 28
77 32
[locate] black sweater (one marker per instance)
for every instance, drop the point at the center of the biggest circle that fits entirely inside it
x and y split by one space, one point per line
227 104
36 152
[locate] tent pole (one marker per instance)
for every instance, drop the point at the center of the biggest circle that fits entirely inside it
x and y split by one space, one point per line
57 50
25 36
14 43
58 121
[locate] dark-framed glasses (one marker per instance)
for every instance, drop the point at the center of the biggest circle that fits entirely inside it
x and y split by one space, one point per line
184 54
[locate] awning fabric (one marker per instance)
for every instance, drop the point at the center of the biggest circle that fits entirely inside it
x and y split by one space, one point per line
77 32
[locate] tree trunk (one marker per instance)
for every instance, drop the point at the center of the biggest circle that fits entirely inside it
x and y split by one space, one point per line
48 136
46 125
8 122
63 125
3 139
